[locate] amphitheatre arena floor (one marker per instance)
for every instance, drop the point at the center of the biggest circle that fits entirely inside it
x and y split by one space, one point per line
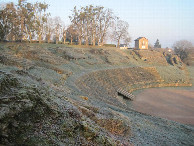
172 104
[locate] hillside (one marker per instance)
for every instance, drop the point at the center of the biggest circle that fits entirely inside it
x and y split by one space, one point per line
68 95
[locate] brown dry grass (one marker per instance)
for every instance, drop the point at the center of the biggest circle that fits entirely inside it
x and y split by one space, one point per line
114 126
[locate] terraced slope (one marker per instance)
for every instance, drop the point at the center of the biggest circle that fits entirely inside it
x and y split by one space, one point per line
65 95
10 59
152 57
104 84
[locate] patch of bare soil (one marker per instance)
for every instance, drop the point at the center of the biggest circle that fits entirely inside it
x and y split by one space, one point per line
176 105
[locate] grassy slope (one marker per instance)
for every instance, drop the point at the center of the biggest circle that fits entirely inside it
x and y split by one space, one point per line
79 117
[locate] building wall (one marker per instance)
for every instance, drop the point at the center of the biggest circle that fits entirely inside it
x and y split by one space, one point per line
123 47
136 44
143 43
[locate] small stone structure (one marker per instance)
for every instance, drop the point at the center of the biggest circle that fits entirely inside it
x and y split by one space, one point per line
123 46
141 43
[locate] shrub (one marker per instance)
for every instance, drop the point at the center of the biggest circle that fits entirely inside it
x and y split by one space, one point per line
109 45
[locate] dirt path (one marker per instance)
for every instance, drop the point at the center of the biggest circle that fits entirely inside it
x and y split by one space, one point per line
177 105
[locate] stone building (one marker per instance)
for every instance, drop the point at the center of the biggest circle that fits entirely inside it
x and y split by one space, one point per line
123 46
141 43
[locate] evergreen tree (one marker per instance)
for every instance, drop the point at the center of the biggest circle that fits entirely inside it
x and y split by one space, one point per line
157 44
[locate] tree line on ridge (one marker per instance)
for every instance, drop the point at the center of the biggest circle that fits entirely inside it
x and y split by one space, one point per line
90 25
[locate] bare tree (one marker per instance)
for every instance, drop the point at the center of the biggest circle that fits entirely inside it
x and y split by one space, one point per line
41 18
57 28
71 33
64 34
120 32
23 21
96 13
92 23
49 28
106 19
77 20
29 25
127 40
150 46
182 48
9 22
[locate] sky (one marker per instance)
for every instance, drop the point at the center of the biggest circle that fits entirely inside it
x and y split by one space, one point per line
166 20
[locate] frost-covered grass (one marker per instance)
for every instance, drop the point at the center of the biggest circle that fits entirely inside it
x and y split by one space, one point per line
172 74
82 117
